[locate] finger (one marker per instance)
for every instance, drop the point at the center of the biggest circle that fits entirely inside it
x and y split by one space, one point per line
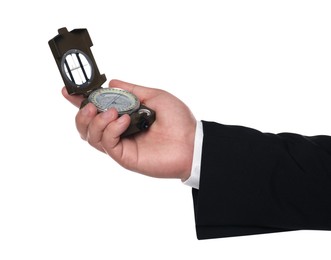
84 118
97 127
143 93
74 99
110 140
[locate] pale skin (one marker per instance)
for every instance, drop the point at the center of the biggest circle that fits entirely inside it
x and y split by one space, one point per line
164 151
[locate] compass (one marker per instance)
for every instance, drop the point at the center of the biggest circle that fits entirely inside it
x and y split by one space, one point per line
80 74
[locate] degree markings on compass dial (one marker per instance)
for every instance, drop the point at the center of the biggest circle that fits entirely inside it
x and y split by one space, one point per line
121 100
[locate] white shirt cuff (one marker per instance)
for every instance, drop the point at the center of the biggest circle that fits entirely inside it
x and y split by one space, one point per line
194 180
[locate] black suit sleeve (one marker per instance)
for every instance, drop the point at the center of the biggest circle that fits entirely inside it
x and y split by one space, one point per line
253 182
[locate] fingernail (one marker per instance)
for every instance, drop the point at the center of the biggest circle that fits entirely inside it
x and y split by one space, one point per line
107 114
121 119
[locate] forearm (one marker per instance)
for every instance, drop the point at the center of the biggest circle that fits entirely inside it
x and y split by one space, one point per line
253 182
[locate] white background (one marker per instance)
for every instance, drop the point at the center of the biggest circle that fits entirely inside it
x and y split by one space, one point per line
262 64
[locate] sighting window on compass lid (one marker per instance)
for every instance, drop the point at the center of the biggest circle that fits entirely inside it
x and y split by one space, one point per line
77 67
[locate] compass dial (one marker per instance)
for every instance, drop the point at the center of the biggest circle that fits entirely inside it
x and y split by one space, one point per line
123 101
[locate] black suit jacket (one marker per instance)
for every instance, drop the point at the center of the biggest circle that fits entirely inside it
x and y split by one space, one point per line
253 182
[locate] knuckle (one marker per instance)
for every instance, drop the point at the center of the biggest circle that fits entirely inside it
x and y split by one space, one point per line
83 137
89 140
79 119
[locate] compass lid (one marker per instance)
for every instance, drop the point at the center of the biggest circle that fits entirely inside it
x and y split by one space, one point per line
74 58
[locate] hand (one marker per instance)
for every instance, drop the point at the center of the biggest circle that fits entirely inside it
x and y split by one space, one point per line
165 150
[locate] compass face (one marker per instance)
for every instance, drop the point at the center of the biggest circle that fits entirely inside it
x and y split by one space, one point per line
123 101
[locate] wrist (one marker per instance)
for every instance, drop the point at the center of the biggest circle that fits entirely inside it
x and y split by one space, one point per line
193 178
186 173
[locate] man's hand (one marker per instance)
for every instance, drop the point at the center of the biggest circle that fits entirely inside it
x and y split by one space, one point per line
164 151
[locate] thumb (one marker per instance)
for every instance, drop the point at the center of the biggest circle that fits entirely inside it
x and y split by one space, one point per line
143 93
